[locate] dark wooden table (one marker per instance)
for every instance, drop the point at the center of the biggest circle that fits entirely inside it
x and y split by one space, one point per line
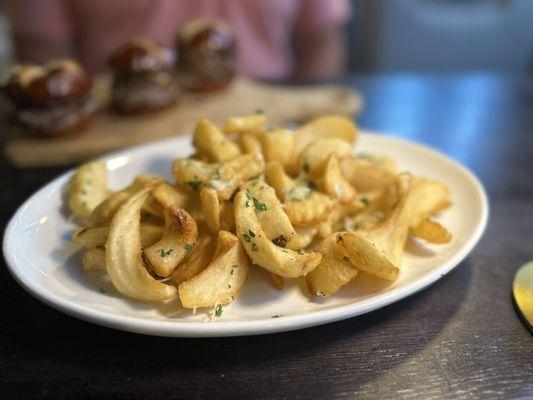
459 339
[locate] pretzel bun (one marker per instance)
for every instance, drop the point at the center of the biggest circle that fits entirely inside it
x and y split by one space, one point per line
141 55
207 53
50 100
57 83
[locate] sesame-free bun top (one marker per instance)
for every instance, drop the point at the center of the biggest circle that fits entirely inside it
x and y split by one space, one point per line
207 35
140 55
57 82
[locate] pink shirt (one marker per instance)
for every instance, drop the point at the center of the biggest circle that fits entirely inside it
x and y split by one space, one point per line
95 27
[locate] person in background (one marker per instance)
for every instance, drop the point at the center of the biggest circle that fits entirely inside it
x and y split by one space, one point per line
277 39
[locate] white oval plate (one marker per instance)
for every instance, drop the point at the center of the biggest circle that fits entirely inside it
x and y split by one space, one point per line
42 259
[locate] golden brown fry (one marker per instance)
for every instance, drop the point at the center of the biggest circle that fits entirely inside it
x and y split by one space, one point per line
193 174
431 231
91 237
262 251
278 179
104 212
333 182
238 171
178 239
303 205
250 143
365 175
167 195
94 259
314 157
150 234
341 218
227 216
196 261
269 211
308 209
303 238
225 178
97 236
244 124
222 280
212 143
278 145
124 261
325 127
334 271
211 209
378 250
87 188
153 208
381 160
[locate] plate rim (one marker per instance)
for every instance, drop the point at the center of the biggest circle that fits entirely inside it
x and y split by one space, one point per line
176 328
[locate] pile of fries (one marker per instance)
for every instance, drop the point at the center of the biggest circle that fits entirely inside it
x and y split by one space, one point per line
298 204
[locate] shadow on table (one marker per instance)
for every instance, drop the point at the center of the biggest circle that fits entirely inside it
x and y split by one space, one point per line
364 347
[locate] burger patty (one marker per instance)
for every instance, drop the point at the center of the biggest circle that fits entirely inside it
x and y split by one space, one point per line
55 120
144 92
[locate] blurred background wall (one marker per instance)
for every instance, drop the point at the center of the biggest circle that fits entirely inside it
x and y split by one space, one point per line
423 36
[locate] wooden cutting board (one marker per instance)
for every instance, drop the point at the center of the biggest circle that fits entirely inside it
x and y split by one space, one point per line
109 131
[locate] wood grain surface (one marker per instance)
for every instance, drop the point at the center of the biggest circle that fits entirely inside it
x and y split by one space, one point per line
458 339
110 131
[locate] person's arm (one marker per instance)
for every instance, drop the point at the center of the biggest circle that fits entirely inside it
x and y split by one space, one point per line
320 54
319 40
41 30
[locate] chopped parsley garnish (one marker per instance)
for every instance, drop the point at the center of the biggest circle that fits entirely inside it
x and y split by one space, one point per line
163 253
301 251
218 310
275 316
187 247
306 167
259 111
251 233
365 201
194 185
259 206
346 258
254 247
102 290
299 193
229 286
246 237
